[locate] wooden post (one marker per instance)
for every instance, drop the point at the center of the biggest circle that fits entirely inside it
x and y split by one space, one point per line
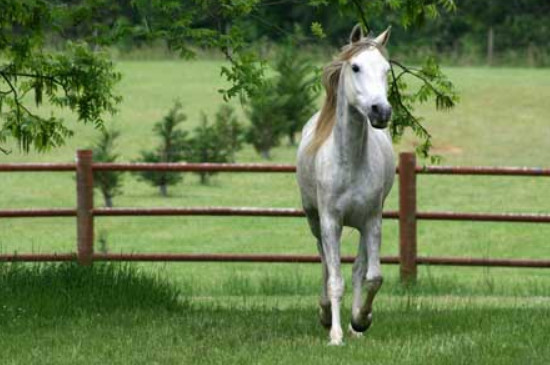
84 207
407 216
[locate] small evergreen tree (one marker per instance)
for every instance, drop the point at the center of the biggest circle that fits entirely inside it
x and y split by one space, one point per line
267 122
296 86
229 129
216 142
108 182
171 149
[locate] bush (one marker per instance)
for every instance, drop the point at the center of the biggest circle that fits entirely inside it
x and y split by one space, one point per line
267 122
108 182
230 130
216 142
296 86
171 149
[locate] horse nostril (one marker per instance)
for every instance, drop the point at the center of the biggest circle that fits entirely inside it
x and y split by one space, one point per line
375 108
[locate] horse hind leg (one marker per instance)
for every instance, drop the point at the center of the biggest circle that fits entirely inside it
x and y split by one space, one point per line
325 316
331 231
369 245
359 273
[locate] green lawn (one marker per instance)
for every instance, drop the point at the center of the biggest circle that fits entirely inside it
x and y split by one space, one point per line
117 315
496 315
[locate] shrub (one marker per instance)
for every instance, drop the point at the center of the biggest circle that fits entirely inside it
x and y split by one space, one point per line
230 130
267 122
296 86
171 149
108 182
216 142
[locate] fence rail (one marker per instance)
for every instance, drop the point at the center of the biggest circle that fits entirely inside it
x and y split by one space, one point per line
266 212
256 167
407 214
182 257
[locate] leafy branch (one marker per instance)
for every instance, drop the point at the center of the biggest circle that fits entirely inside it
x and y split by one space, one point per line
78 79
434 84
435 80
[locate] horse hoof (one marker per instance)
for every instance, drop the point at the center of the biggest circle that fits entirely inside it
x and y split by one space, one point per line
361 327
354 333
336 336
336 342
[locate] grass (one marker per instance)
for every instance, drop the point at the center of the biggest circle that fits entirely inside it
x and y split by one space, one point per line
255 313
117 314
66 290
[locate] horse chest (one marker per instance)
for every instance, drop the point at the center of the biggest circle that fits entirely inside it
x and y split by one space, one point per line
359 199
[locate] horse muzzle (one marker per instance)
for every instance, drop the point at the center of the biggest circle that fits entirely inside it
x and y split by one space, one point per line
379 115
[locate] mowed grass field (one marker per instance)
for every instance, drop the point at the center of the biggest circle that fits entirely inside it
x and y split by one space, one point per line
257 313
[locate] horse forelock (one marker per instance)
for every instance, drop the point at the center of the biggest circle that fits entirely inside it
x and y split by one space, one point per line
331 78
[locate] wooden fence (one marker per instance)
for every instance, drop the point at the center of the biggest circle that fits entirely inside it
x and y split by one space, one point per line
407 214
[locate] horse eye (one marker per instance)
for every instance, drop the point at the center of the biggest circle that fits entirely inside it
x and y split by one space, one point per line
355 68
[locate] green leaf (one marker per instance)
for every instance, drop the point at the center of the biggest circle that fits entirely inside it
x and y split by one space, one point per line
317 30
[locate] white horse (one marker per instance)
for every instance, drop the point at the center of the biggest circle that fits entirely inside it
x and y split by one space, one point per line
345 170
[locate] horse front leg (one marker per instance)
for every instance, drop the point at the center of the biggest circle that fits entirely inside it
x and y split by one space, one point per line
370 245
331 231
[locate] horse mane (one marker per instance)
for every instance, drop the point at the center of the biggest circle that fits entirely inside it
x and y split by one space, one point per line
331 78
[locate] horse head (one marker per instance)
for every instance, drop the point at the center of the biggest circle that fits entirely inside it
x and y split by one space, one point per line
364 76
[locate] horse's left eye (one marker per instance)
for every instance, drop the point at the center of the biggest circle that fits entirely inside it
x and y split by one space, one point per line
355 68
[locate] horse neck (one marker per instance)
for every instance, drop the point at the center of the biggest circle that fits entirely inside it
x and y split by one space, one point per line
350 132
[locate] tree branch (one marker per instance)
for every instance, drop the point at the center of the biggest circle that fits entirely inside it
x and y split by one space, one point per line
418 74
362 14
51 78
15 95
395 86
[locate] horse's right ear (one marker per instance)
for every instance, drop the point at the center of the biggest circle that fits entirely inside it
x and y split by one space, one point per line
356 34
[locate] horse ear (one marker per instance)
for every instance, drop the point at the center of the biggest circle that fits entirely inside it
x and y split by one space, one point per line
356 34
383 37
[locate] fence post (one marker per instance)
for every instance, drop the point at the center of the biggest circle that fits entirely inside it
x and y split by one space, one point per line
407 216
84 207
